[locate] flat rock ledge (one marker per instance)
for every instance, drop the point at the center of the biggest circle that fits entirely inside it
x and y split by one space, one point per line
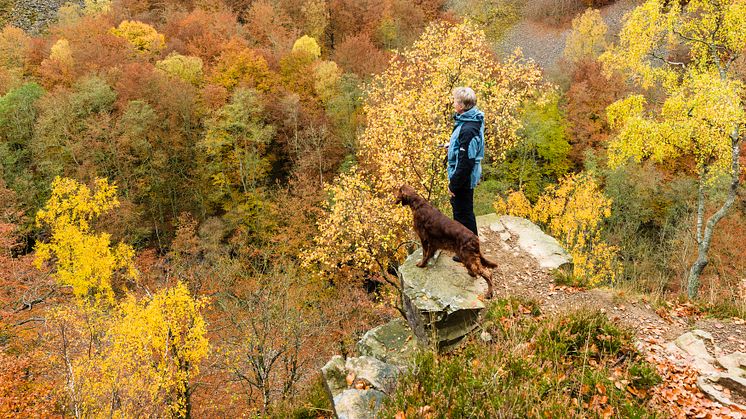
543 248
441 301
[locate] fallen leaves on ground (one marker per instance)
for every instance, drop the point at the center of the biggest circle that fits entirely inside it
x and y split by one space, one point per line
678 393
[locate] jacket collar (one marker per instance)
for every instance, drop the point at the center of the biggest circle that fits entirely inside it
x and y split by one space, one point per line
472 114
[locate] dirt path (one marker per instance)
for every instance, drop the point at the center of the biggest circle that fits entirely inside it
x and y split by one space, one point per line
519 275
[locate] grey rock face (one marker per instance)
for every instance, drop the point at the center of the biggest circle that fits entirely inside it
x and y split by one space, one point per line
441 300
380 375
392 342
542 247
357 386
34 16
335 376
358 404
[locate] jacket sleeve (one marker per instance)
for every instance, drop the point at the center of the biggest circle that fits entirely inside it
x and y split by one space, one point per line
461 178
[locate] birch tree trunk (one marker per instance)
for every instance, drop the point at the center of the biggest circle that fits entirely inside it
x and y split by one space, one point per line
704 236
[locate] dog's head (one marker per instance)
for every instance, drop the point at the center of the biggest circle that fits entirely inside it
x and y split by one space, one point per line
405 195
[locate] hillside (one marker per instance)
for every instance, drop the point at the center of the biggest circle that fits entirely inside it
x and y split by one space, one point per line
545 43
651 355
199 207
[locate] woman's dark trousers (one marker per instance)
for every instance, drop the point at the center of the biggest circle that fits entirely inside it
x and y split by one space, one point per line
463 208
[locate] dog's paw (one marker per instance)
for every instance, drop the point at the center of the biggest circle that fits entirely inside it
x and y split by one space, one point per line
421 265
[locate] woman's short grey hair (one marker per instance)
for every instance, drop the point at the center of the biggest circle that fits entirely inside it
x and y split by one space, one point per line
465 96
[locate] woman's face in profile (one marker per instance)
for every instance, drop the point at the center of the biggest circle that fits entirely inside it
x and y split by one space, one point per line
458 106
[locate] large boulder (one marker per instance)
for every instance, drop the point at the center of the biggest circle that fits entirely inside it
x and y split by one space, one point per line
392 342
358 385
358 404
542 247
441 301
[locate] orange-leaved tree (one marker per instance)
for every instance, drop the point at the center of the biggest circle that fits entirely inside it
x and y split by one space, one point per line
409 115
685 49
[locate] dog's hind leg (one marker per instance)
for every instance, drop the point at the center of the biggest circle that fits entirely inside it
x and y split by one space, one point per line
487 275
486 262
474 266
427 252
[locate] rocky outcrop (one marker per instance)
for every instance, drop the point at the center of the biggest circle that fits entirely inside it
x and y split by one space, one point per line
545 249
34 16
723 378
442 303
357 386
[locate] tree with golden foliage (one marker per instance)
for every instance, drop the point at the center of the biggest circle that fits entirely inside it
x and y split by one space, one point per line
157 345
587 40
409 116
184 67
82 259
143 37
686 49
572 211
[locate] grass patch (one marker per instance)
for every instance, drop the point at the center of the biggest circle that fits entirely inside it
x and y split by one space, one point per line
576 365
724 309
563 277
313 403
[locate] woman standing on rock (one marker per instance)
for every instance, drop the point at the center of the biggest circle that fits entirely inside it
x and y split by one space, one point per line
465 154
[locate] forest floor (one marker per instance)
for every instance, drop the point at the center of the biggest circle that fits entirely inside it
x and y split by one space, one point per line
654 325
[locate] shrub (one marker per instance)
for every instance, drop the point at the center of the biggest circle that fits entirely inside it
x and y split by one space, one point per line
573 365
574 211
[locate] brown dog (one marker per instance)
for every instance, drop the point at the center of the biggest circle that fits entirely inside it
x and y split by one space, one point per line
436 231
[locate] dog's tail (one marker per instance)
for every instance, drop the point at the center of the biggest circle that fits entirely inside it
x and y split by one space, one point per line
486 262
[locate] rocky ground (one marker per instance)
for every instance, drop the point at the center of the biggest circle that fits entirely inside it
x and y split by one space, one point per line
545 44
684 360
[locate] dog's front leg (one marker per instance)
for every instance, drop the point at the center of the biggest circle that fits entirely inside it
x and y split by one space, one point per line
427 253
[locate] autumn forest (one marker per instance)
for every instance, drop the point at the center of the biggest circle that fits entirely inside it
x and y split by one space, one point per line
197 196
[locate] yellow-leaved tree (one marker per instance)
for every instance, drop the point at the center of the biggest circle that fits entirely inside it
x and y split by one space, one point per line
307 45
128 359
83 260
685 50
184 67
409 116
139 359
143 37
157 345
587 40
572 211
